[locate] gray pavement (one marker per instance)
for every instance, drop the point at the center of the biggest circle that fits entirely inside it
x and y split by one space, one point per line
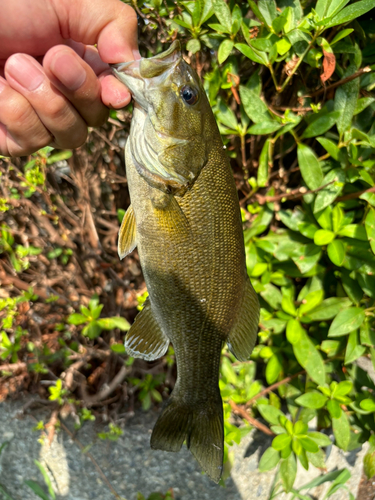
131 466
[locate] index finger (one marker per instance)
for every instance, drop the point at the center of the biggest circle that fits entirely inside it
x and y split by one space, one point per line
111 24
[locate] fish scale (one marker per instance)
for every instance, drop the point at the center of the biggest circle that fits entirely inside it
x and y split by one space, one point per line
190 243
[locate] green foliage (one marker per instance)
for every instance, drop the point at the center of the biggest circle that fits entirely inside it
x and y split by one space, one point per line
113 434
94 325
310 242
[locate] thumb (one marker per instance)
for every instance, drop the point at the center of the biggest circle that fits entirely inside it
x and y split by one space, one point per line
110 24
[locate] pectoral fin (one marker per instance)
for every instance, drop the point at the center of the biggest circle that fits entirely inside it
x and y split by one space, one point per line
127 233
169 214
243 335
145 338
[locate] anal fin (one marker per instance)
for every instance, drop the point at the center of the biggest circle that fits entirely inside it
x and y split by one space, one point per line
145 338
243 334
127 234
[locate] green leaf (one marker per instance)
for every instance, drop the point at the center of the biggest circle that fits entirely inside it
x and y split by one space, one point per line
288 472
320 438
37 489
354 349
264 166
330 147
346 321
370 227
353 231
77 319
46 479
311 301
336 252
340 35
351 12
368 404
254 107
313 399
274 368
334 408
269 460
310 166
222 12
119 348
193 45
363 104
283 46
369 464
114 322
281 441
321 125
268 10
224 50
341 431
255 55
294 331
328 8
309 444
270 413
264 128
323 237
336 181
346 99
309 358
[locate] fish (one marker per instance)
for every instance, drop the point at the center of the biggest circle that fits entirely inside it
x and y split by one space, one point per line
185 221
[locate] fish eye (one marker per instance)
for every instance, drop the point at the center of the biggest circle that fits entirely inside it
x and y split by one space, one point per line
189 95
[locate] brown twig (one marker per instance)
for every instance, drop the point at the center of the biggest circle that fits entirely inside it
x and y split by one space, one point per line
272 387
253 421
107 390
296 193
358 73
357 194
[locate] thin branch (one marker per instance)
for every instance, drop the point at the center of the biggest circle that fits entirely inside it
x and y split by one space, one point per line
296 193
358 73
352 196
107 390
253 421
273 387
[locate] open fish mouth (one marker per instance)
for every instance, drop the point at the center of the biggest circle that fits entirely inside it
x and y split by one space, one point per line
152 147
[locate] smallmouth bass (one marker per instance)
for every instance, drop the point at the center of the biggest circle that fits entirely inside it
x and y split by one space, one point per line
185 221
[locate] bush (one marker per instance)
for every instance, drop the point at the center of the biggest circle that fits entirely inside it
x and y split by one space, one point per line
291 86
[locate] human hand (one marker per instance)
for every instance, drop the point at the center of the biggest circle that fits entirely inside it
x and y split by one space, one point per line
53 81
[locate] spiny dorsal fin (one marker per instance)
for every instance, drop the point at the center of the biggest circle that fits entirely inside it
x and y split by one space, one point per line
127 233
145 338
243 335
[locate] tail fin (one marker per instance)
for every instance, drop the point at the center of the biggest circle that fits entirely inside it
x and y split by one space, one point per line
202 427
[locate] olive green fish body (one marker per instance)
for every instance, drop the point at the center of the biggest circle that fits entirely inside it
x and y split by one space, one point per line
192 255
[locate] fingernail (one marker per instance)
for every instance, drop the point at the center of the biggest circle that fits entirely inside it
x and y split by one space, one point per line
136 55
25 71
67 69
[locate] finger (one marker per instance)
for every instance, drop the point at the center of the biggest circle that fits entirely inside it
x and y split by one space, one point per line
21 131
114 93
25 75
77 81
113 28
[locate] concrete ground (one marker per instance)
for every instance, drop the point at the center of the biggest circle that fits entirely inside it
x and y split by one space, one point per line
131 466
